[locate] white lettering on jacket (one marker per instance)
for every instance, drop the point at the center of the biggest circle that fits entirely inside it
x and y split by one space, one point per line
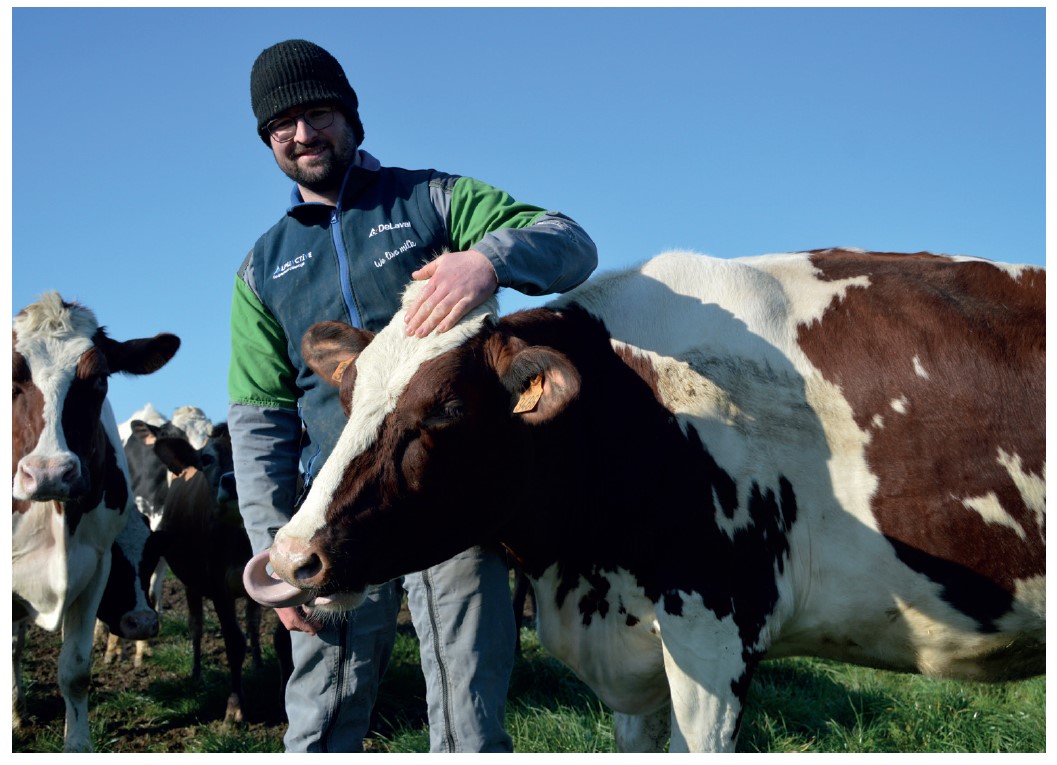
389 255
388 227
291 265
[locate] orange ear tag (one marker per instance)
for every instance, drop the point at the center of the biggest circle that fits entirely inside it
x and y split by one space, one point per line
531 396
339 370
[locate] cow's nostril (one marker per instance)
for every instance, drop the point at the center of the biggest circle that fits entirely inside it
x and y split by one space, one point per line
311 569
72 473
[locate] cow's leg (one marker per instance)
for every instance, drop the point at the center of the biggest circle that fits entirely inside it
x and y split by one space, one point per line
143 650
75 660
115 649
194 626
643 733
253 626
18 689
235 647
284 654
708 678
157 584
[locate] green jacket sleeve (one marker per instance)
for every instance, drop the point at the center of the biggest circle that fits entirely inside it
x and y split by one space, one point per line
260 373
533 250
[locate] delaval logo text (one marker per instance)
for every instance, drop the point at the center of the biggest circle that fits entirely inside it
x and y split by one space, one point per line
388 227
291 265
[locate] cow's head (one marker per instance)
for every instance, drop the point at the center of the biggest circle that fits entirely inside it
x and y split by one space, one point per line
204 477
438 433
62 359
126 608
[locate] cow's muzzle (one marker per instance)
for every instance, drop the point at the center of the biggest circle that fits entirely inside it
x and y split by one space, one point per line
139 625
42 479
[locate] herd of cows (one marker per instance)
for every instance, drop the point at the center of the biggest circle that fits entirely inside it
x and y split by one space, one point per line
699 464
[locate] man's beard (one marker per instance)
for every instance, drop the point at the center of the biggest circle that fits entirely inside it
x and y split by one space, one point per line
327 173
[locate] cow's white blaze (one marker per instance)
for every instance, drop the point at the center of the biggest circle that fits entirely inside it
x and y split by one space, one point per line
52 338
383 371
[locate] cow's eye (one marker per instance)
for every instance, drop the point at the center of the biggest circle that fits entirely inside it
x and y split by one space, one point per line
96 384
443 414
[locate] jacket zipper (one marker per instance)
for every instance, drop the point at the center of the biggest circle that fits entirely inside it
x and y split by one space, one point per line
343 268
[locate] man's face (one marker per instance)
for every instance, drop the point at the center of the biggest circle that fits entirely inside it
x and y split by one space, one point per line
316 159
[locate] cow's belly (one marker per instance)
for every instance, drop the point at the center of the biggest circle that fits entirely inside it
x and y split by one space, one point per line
617 654
919 632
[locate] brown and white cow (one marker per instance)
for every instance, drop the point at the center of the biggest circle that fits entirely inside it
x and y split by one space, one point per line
705 463
70 488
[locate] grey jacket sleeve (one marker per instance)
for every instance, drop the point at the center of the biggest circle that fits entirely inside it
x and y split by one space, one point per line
265 444
554 254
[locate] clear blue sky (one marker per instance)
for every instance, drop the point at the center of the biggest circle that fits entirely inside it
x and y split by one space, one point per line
138 182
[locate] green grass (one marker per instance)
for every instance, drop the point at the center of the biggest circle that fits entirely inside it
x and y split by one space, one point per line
795 705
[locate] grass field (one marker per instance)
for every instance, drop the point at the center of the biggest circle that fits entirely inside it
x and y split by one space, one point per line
795 705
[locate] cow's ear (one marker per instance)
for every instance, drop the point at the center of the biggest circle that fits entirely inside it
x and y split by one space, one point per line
330 349
177 454
141 356
144 432
541 382
141 432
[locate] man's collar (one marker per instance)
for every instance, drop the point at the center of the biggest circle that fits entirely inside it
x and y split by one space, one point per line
362 161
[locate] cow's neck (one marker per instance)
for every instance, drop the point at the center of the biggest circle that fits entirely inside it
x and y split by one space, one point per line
608 473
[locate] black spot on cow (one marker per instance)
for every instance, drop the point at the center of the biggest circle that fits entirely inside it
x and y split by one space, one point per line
735 575
594 600
976 596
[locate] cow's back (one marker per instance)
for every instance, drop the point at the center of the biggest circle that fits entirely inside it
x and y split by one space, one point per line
898 401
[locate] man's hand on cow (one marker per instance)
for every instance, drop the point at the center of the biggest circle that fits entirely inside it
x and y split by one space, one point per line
458 283
295 620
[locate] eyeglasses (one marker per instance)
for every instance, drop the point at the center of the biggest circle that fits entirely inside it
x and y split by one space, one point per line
285 128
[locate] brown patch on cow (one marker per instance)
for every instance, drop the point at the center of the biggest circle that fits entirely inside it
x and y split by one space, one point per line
961 347
27 414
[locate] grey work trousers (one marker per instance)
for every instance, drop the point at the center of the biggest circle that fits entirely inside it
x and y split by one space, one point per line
462 614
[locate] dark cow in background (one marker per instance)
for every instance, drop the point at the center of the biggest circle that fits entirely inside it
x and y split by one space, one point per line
704 463
126 608
150 486
202 537
70 489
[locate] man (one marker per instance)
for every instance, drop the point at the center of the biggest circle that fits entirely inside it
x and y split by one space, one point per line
355 235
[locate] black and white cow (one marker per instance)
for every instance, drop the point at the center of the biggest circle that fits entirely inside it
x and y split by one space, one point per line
202 536
70 488
705 463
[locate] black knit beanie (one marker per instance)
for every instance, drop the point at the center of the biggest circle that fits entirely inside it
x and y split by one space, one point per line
299 73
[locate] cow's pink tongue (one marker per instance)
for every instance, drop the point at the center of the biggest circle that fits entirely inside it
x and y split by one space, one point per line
266 589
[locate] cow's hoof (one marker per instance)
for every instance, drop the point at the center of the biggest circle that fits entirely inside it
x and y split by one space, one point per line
233 715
